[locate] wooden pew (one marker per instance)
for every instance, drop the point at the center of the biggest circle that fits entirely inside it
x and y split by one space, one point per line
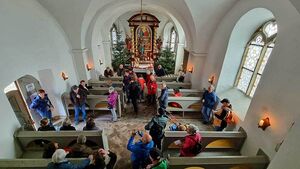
97 83
104 91
95 102
217 162
168 78
187 104
27 139
212 141
184 92
176 85
30 163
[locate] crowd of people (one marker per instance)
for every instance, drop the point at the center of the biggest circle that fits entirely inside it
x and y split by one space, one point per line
145 153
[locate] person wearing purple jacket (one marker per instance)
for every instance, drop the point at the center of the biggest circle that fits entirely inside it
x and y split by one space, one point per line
112 102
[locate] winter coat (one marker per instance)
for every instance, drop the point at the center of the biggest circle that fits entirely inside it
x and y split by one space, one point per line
46 128
78 101
126 80
142 83
112 99
210 99
163 99
120 72
161 120
69 165
140 151
80 150
189 144
161 165
160 72
108 73
84 88
134 90
67 128
152 87
41 105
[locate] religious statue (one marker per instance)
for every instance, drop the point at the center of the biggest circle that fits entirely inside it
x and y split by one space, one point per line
128 42
141 47
158 43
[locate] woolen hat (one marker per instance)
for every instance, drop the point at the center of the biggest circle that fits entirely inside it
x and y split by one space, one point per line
225 100
155 154
59 156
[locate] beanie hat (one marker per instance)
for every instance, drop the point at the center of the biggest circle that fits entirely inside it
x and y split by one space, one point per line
155 154
59 156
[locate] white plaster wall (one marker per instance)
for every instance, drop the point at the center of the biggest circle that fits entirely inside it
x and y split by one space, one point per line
277 94
31 42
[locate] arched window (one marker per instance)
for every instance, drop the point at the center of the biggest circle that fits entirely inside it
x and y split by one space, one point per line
113 35
173 39
256 55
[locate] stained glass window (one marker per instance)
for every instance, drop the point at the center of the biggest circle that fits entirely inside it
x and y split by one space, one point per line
255 59
173 40
113 35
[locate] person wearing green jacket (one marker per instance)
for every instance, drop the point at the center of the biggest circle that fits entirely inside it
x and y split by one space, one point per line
157 161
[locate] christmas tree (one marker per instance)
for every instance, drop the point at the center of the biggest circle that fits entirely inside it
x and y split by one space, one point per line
167 60
121 55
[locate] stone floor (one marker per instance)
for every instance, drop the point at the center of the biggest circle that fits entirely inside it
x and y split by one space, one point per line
119 132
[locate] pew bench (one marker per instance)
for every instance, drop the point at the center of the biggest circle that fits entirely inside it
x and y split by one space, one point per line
27 140
184 92
217 162
168 78
104 91
212 141
30 163
108 83
185 104
176 85
94 102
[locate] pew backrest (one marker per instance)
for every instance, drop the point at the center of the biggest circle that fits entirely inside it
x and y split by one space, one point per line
224 162
94 102
97 83
211 140
31 163
64 138
184 92
176 85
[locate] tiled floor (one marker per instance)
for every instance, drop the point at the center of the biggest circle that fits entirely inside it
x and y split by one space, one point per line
118 133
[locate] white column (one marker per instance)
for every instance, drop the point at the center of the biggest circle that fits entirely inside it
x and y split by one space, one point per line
196 61
107 53
80 60
179 57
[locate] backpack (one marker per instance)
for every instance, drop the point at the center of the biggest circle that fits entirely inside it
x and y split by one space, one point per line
196 149
156 130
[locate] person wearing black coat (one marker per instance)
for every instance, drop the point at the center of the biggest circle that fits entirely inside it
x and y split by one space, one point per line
160 71
78 98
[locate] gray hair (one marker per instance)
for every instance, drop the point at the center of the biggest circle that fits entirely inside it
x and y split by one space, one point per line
192 129
67 122
111 89
81 139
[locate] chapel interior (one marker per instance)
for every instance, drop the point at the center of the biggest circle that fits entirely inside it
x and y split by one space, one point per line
247 49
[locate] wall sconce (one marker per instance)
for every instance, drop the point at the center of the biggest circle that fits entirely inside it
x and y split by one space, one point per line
191 69
100 61
211 80
88 67
64 76
264 123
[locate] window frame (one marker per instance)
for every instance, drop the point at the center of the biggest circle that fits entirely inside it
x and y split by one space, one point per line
267 42
176 39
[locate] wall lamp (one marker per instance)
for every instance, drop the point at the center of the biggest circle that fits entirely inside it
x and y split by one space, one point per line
100 61
64 76
264 123
191 70
211 80
89 67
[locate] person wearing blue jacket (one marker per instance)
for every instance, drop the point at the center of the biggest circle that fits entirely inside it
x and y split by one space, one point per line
163 99
59 161
140 150
42 105
209 100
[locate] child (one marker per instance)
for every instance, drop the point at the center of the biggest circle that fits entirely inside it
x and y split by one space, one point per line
112 102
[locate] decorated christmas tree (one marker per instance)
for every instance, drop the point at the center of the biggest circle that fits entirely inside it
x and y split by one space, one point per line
121 55
167 60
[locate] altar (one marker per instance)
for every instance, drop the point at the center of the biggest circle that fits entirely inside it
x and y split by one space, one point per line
143 40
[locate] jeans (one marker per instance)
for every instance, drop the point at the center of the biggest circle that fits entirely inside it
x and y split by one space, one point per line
206 112
77 110
157 142
114 114
135 104
151 99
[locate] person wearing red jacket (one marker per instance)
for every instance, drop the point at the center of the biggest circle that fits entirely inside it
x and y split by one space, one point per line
190 141
152 88
142 83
